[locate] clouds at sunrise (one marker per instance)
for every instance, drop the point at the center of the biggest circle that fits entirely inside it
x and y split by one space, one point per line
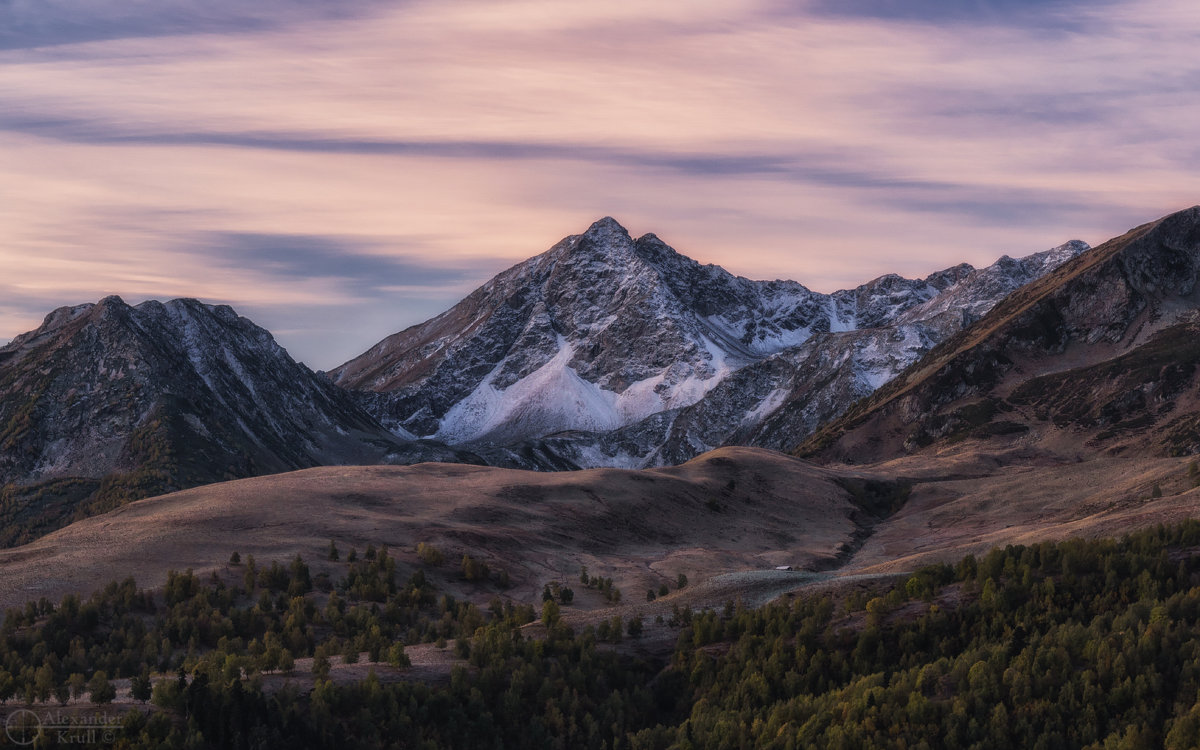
337 172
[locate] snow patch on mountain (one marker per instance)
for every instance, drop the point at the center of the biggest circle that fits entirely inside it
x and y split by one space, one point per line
547 400
554 398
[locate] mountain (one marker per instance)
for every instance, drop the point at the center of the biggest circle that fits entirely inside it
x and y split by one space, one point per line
598 332
1098 358
611 351
1069 408
105 403
776 401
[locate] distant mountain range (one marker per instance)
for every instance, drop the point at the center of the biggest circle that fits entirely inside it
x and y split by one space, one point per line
602 351
611 351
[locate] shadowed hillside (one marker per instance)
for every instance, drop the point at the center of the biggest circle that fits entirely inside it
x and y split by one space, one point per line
731 509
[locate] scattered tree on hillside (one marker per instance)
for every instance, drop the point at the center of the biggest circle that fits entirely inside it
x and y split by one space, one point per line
100 689
429 554
140 687
474 570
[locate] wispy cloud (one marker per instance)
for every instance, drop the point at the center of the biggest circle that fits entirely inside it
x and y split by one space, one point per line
291 156
1042 16
362 267
25 24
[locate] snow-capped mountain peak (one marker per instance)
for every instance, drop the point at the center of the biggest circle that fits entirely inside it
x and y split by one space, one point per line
603 331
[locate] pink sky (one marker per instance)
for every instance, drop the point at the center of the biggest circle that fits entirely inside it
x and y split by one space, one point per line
337 176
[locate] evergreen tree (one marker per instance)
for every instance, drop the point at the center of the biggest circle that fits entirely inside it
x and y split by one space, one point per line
100 689
140 687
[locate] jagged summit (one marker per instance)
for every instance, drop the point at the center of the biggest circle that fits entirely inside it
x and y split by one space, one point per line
605 225
603 331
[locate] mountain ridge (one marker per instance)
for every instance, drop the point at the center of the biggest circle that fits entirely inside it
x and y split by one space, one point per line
604 350
1097 308
603 332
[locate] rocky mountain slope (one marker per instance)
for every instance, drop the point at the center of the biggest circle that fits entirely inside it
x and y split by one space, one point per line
105 403
1097 358
596 333
611 351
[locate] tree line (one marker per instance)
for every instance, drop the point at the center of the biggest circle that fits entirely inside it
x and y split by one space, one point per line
1075 644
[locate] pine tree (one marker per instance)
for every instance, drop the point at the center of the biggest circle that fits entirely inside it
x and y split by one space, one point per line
100 689
287 664
140 687
321 665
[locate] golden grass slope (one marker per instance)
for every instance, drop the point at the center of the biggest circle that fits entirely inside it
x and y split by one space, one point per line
969 501
731 509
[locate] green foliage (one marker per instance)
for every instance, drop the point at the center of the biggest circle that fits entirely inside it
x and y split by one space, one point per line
462 648
321 666
550 613
429 554
30 511
1079 644
225 630
140 687
100 689
396 656
474 570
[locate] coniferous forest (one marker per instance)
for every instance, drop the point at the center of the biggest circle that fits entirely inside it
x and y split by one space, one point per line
1076 644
